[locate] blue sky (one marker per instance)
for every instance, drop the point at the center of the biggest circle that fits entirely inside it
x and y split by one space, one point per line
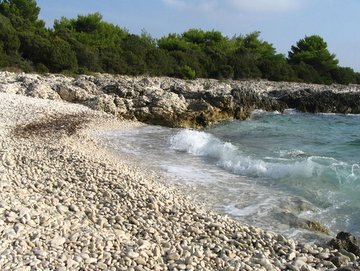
281 22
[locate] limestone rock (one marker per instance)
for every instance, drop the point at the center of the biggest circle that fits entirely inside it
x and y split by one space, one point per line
179 103
346 241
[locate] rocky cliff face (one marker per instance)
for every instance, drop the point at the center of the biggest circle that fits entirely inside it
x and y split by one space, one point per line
180 103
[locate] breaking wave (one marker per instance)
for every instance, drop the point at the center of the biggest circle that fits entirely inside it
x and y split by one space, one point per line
292 163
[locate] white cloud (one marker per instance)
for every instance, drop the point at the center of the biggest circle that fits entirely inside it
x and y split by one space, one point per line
254 6
202 5
264 5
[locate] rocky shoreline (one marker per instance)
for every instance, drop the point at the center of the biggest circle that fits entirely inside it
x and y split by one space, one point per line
67 204
180 103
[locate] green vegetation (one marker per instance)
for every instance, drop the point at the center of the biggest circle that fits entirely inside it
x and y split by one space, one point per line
88 44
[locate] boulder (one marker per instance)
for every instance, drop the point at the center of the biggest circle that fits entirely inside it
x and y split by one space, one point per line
346 241
43 91
102 102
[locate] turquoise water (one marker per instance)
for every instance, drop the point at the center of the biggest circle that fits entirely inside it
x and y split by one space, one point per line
272 170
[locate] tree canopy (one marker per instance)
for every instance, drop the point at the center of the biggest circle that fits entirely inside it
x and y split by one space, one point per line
313 51
87 44
21 13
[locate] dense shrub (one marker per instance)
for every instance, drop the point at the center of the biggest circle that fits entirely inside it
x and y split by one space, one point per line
187 73
88 44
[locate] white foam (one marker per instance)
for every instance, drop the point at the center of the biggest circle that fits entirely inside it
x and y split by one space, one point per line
355 173
188 173
291 153
231 158
291 111
262 207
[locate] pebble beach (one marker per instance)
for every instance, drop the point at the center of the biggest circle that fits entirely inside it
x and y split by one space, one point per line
66 203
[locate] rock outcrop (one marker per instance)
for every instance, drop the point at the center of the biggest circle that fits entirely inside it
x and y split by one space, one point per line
346 241
327 101
180 103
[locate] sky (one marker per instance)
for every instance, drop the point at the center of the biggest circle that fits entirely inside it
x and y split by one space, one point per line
281 22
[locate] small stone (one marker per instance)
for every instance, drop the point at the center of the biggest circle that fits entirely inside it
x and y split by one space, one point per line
328 264
133 255
306 267
35 262
9 161
57 241
70 263
199 253
23 268
263 261
134 221
11 217
181 266
292 267
90 260
157 251
73 208
292 256
281 238
299 263
78 259
102 266
24 211
85 256
40 253
31 223
62 209
189 260
215 225
323 255
140 261
339 261
173 256
351 256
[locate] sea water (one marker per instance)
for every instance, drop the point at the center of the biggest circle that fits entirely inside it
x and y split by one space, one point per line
273 170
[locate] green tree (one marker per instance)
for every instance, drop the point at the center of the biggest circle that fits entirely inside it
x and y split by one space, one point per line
173 42
344 75
252 57
135 50
146 36
23 14
112 60
252 44
61 57
357 78
8 36
276 68
313 51
91 30
307 73
97 43
244 66
3 57
34 47
159 62
225 71
187 72
199 39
